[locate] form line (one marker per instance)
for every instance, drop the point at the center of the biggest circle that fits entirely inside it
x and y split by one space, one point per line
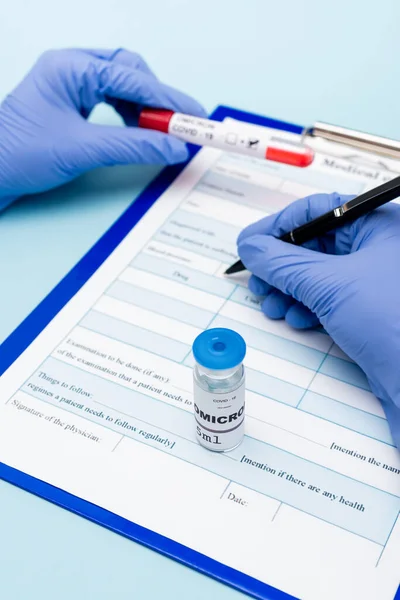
276 512
226 487
118 443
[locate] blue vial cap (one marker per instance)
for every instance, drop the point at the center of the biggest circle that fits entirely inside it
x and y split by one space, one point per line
219 349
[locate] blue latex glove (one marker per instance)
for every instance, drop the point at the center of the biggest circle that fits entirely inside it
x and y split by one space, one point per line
45 139
348 281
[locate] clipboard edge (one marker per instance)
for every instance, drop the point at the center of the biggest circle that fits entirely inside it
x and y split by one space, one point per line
143 536
23 335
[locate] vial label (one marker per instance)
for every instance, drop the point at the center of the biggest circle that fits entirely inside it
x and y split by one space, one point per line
219 418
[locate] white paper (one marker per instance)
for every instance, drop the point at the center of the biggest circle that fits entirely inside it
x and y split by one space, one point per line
100 404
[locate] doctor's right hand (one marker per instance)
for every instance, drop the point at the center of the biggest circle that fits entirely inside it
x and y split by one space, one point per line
347 280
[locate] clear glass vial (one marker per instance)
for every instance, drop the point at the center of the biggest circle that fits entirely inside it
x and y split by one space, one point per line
219 389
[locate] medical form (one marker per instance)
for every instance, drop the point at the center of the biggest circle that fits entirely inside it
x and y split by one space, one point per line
100 403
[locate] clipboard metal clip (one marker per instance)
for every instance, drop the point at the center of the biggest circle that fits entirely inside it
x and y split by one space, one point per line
365 142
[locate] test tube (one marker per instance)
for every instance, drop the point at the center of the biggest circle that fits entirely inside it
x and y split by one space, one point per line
219 389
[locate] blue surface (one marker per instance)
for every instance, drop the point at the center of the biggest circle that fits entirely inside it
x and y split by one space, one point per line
294 61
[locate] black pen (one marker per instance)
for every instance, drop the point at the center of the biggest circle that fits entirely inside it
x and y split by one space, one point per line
351 210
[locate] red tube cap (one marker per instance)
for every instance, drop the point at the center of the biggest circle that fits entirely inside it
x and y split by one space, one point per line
153 118
303 158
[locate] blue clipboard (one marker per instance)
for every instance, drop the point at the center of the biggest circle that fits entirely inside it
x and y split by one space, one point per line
41 316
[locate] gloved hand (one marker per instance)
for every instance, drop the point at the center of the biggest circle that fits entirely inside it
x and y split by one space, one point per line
347 280
45 139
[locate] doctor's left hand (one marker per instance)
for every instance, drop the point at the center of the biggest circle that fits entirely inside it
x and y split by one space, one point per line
45 138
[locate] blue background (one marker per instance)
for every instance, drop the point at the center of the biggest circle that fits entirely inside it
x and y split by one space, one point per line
295 61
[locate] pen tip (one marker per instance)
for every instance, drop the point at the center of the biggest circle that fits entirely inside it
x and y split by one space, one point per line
235 268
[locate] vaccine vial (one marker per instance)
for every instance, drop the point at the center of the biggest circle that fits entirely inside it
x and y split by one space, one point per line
219 389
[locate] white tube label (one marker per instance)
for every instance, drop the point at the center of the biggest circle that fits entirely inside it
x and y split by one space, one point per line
217 135
219 418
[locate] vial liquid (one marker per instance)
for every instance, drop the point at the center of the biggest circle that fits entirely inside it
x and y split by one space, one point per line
219 389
